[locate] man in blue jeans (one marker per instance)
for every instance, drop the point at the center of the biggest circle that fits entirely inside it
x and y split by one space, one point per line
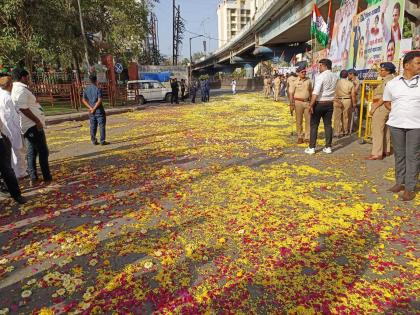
92 99
32 120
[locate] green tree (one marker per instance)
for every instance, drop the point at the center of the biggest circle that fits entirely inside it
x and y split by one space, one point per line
49 30
407 31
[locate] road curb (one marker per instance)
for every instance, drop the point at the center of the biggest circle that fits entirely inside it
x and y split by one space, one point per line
58 119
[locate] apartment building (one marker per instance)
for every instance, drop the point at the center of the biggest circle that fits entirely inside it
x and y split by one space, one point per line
232 16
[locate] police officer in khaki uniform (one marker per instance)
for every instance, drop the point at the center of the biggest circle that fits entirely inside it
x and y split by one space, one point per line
300 95
266 86
277 84
289 84
353 77
381 137
344 102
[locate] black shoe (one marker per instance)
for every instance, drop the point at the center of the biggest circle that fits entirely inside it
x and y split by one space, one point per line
95 142
34 182
20 200
48 182
105 143
3 188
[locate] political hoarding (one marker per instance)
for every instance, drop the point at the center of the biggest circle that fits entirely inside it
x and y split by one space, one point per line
376 35
341 35
313 70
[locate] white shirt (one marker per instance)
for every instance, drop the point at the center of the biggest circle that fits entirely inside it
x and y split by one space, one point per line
405 102
24 99
1 129
324 87
10 120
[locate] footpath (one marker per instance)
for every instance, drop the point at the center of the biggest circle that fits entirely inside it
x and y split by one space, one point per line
84 115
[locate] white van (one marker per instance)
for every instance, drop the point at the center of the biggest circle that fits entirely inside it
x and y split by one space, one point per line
147 90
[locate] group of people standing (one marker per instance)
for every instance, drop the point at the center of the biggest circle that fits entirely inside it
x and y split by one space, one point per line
395 114
22 137
276 86
195 86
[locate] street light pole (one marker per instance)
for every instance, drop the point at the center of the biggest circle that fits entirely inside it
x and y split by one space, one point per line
190 68
84 36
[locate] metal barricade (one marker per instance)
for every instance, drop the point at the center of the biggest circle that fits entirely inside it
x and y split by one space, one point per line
368 87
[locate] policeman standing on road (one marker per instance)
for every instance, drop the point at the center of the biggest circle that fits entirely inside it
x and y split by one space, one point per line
266 86
277 83
344 102
300 96
381 136
289 83
353 78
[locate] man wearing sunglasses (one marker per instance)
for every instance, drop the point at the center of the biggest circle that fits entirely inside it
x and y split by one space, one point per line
321 106
402 97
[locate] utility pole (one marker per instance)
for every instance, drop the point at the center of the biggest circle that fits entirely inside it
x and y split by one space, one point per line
191 61
173 32
178 31
84 36
152 41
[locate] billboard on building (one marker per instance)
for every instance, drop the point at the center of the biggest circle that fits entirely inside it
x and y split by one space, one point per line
341 35
313 70
376 35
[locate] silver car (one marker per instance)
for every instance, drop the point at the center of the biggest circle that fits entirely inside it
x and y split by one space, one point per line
147 90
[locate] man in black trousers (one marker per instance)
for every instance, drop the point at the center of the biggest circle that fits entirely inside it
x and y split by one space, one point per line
6 170
321 106
175 91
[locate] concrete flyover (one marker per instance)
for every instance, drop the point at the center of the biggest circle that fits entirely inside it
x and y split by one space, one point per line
281 25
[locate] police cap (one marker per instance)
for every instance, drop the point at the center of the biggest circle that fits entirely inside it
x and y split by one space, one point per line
352 71
388 66
300 68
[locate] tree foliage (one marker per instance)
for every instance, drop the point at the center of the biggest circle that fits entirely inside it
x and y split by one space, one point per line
49 30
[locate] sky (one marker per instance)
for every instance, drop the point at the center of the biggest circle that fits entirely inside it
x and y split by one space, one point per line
200 17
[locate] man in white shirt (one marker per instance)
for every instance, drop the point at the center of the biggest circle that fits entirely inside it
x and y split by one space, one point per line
32 121
321 106
402 97
6 169
233 84
11 120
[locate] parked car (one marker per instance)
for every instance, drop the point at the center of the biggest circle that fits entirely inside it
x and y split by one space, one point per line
147 90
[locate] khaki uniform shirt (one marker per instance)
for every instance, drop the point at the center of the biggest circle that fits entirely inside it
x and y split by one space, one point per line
290 81
302 89
379 91
277 82
344 88
356 83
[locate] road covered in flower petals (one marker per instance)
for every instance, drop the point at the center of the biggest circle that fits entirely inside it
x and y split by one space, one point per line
209 208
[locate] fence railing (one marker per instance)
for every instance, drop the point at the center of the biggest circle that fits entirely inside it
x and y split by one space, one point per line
68 97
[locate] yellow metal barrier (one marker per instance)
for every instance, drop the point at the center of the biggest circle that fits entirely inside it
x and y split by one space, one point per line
368 86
